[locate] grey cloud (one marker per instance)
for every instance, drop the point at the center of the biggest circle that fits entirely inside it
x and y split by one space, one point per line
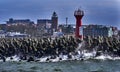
96 11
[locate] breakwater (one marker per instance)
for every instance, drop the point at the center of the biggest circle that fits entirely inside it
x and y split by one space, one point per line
63 48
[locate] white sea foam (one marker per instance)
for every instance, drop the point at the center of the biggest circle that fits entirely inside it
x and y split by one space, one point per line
85 56
104 57
13 58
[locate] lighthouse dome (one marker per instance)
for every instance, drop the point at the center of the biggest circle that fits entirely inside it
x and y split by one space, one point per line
79 12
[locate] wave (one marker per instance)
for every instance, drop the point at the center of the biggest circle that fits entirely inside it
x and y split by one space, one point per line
83 56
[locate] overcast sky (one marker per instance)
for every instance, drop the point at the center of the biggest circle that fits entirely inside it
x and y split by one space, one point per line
106 12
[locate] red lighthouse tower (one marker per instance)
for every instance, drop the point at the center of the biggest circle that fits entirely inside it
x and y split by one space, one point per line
78 15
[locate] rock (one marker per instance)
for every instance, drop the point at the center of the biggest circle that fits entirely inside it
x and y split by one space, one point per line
47 59
60 58
30 59
3 58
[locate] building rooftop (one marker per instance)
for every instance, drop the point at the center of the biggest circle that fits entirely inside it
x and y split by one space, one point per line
11 20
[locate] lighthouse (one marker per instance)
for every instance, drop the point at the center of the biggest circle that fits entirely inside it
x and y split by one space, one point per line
78 15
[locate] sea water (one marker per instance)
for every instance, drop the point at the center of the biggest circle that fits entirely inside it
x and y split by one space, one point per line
63 66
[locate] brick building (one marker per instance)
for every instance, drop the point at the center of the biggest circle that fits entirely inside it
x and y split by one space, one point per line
49 24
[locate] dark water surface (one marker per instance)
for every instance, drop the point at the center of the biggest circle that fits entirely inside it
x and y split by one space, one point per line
64 66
